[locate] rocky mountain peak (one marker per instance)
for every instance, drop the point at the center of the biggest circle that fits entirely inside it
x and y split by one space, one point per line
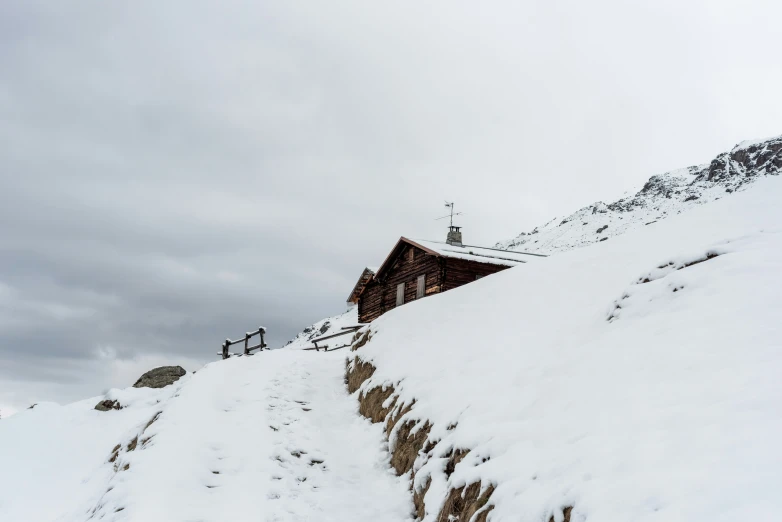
662 195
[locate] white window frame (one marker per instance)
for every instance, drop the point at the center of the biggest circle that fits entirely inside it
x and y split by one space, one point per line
400 294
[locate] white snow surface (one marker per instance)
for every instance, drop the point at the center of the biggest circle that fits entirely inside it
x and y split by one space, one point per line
662 196
635 379
324 327
625 379
272 437
475 253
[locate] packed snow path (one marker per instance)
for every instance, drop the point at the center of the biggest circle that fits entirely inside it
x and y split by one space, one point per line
273 437
276 438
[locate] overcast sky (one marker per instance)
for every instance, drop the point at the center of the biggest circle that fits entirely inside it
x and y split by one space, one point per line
173 173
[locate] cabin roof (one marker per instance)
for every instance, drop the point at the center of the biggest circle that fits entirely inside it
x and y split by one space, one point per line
475 253
366 276
467 252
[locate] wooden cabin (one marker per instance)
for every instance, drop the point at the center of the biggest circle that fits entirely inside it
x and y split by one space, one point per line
416 268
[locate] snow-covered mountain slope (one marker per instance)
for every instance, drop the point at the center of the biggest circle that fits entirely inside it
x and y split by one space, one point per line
635 379
324 327
53 458
662 196
273 437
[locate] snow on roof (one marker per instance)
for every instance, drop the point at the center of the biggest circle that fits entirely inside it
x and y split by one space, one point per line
475 253
362 281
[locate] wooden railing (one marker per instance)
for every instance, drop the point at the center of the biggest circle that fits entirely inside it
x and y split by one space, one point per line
247 348
345 330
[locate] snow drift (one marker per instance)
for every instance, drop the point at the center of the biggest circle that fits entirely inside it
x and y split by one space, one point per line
637 379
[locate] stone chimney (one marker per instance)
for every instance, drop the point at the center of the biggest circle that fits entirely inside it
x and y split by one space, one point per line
454 236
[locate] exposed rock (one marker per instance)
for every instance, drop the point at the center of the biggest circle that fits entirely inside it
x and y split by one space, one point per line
465 502
662 195
115 453
324 326
565 514
160 377
468 503
108 405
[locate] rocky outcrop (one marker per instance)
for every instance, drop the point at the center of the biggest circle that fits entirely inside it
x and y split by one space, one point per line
411 442
160 377
108 405
156 378
661 196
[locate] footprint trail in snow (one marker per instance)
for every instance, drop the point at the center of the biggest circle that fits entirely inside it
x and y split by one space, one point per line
274 437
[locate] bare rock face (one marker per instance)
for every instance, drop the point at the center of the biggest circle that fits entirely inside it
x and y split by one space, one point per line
108 405
160 377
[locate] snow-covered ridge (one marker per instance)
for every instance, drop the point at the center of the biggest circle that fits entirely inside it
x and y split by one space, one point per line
662 196
636 379
327 326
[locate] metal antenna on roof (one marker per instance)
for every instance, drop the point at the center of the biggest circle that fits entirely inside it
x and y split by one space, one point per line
454 235
450 204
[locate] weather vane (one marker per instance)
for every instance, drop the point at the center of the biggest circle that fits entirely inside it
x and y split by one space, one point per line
450 205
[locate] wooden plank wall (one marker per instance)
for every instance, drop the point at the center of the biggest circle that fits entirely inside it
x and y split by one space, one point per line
369 304
380 296
460 272
442 274
407 271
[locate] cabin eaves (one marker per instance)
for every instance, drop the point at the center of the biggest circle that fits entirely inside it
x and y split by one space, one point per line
467 252
366 276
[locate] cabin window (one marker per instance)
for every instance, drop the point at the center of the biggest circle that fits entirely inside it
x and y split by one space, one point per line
400 294
411 254
420 286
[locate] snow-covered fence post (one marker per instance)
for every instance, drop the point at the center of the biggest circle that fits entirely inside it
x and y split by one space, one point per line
247 348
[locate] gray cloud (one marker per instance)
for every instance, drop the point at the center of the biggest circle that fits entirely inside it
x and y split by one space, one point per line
175 173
